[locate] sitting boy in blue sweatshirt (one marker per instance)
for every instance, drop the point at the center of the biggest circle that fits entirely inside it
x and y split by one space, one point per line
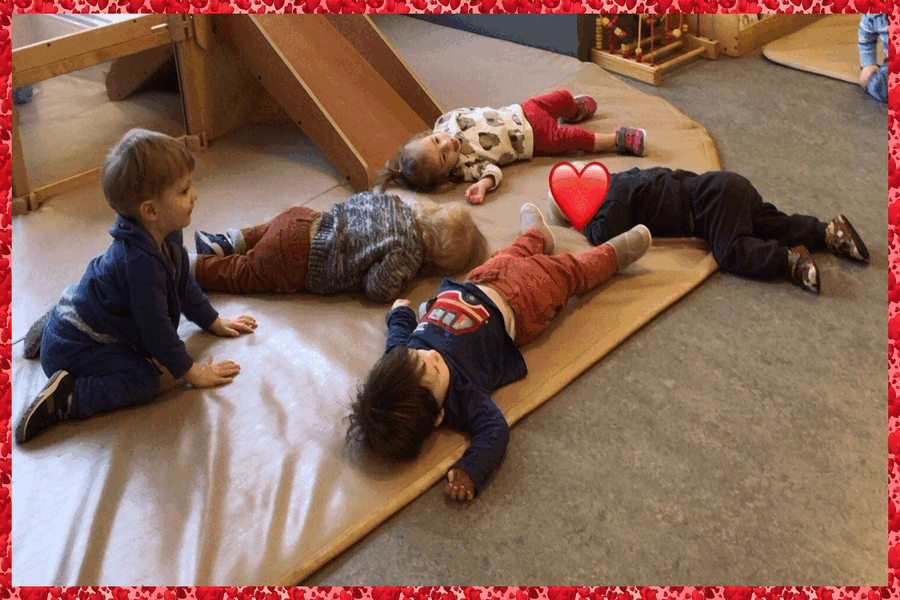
99 343
442 369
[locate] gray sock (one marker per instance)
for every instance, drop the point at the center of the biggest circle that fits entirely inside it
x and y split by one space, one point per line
631 245
530 217
236 237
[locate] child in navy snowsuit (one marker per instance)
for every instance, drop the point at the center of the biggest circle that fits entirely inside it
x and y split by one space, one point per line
101 343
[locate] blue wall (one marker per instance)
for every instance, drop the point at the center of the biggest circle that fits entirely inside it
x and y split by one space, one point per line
557 33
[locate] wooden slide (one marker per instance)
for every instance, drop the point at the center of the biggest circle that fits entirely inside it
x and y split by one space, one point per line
340 80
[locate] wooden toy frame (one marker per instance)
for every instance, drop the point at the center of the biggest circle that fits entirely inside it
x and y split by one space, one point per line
649 63
336 76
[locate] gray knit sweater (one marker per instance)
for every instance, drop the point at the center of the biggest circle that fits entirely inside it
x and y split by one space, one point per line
370 242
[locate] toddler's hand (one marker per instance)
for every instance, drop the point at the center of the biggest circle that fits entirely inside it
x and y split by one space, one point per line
475 193
400 302
233 327
866 73
459 485
209 374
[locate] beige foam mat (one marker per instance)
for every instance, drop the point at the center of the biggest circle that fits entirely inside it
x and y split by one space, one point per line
827 47
252 483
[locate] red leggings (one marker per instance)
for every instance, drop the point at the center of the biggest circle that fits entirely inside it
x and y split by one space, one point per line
543 113
538 286
277 257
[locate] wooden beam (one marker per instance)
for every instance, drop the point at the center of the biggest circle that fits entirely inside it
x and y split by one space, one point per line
664 50
83 49
627 67
710 47
27 202
19 174
671 64
362 33
129 73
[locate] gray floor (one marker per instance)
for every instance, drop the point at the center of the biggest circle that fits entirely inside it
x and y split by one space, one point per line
737 439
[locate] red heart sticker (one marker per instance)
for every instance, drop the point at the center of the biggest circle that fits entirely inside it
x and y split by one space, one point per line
579 195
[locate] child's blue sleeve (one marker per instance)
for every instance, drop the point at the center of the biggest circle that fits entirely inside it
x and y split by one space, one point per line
871 27
148 303
490 437
401 322
197 307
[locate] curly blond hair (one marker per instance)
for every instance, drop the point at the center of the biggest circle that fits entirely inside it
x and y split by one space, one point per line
452 241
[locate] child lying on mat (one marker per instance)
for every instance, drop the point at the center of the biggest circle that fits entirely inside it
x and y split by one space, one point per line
747 235
443 369
471 144
371 242
98 343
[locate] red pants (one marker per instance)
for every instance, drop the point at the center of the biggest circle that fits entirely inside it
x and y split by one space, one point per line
543 113
538 286
277 257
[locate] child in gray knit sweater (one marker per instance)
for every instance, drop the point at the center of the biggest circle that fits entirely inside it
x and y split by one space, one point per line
372 242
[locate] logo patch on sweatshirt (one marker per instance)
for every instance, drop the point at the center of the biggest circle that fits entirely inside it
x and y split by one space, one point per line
457 312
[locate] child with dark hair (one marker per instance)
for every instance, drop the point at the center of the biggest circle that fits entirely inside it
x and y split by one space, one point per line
371 242
101 343
748 236
442 369
471 144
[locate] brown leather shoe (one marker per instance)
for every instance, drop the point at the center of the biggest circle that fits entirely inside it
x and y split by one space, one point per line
842 238
803 270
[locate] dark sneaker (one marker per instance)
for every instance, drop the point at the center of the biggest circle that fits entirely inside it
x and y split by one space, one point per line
587 106
213 243
630 140
34 335
49 408
802 269
842 238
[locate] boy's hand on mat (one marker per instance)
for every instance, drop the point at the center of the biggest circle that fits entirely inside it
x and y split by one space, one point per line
400 302
476 192
233 327
209 374
459 485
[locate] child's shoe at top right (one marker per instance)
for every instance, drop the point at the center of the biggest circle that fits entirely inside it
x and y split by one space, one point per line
587 106
630 140
841 238
213 243
802 269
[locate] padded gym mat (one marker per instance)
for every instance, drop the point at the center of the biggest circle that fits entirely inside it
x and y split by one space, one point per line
251 483
827 47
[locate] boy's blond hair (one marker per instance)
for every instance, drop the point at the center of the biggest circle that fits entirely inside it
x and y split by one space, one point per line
143 165
451 239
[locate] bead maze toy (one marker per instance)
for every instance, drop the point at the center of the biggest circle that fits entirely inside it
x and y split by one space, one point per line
644 47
